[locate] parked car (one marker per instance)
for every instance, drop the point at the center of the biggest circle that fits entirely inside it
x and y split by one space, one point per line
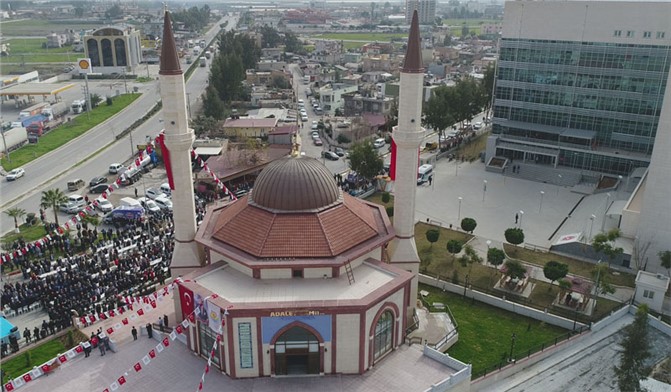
104 205
153 193
165 188
340 152
318 142
115 168
164 203
379 143
75 184
315 135
149 205
100 188
304 118
15 174
330 155
97 180
477 125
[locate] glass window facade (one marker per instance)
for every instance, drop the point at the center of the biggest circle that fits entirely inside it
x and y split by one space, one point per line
207 339
384 334
606 96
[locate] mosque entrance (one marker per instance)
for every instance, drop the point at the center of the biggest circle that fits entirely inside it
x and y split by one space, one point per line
297 353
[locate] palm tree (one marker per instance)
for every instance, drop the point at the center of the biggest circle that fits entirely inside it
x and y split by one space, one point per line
16 213
52 198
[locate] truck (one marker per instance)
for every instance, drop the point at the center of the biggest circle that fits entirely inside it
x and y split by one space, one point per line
33 110
29 120
78 106
203 62
56 110
39 128
14 138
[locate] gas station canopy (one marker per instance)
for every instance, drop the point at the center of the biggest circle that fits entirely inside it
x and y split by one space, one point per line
35 89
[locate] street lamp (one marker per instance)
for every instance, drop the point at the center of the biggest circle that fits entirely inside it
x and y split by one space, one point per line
521 216
591 225
459 216
541 205
512 346
484 189
605 212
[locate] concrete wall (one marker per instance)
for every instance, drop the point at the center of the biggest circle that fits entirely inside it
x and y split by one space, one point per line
501 303
347 343
457 382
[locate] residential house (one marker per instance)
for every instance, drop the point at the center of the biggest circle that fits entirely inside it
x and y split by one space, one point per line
249 127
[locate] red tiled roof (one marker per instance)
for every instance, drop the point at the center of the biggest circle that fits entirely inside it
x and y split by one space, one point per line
329 233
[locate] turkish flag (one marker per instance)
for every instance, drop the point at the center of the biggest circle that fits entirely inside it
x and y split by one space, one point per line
9 387
79 349
137 367
121 380
63 358
27 378
82 320
186 300
153 304
124 321
111 313
179 329
110 330
152 354
45 368
192 318
392 163
166 159
140 312
92 318
166 342
94 340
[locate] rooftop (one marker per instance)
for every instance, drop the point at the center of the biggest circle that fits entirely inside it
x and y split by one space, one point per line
250 122
237 287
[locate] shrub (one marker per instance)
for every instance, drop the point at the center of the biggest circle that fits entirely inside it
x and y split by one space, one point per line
514 235
468 225
342 139
390 211
109 101
432 236
386 197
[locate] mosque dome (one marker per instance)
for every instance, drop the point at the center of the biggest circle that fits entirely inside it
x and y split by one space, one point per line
298 184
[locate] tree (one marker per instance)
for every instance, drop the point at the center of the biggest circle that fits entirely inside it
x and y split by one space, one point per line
439 111
52 198
465 31
602 280
270 37
495 257
16 213
554 270
364 160
79 11
432 235
515 269
487 86
203 125
114 12
213 107
605 243
564 285
468 225
390 211
471 257
454 247
280 82
665 257
386 197
447 41
635 351
514 235
95 100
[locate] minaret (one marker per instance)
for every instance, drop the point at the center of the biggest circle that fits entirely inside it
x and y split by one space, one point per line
408 136
178 140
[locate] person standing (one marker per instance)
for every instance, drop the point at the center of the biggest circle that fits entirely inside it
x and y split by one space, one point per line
134 332
165 320
26 335
150 332
160 323
101 346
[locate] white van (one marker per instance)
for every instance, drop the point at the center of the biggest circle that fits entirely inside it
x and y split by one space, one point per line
424 172
73 205
130 202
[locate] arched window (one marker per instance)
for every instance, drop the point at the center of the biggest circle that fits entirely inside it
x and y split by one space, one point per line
92 47
120 50
108 57
384 334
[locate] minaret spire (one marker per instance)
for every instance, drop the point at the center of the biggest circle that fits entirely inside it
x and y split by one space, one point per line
178 139
408 136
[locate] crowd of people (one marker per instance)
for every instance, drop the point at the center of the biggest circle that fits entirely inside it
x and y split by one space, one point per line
86 274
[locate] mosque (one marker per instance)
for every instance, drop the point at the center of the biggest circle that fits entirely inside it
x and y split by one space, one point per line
306 279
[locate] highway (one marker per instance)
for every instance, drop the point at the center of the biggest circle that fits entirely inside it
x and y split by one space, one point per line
90 154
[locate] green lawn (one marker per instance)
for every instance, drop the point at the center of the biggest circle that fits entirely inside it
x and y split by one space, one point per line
16 366
29 50
382 37
66 132
29 233
452 22
37 27
485 331
575 267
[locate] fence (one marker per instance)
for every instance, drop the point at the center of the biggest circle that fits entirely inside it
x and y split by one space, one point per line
415 323
527 308
513 357
463 373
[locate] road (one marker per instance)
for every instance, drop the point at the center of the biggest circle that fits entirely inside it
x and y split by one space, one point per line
87 156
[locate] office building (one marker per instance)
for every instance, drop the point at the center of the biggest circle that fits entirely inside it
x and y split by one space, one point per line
426 11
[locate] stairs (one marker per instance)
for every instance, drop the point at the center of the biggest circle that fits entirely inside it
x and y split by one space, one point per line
350 273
